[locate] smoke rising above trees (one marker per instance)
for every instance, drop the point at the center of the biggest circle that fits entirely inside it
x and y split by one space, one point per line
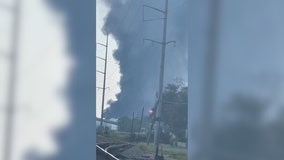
140 63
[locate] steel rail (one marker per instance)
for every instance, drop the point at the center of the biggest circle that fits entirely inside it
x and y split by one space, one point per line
109 155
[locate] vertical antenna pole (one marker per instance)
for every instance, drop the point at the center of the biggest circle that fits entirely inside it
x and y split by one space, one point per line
141 120
131 134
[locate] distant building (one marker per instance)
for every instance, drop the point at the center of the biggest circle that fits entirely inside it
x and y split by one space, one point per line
111 123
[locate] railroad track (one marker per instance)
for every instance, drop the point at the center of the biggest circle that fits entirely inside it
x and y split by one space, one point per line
109 149
104 154
112 151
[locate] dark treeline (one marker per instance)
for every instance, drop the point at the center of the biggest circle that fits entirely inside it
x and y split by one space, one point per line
174 113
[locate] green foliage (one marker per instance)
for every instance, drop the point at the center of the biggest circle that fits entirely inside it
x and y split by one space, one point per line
146 148
174 110
118 136
124 124
168 152
174 113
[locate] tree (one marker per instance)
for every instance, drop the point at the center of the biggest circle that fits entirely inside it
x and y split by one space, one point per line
174 109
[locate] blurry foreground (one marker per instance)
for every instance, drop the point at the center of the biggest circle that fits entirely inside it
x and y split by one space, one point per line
236 80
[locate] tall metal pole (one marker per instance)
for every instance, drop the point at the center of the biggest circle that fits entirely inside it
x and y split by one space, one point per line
132 122
104 85
161 82
12 83
141 120
164 43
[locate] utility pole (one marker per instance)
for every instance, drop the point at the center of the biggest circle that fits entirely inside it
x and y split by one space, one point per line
8 141
104 83
132 121
164 43
141 120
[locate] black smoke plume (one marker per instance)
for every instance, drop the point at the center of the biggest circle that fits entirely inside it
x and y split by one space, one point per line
140 63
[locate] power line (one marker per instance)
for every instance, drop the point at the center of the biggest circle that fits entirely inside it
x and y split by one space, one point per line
112 73
131 19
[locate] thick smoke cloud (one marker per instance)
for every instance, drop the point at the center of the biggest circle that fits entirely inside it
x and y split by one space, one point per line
140 63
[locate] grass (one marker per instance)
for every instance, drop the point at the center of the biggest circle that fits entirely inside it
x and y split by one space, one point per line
170 153
118 136
146 148
176 156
